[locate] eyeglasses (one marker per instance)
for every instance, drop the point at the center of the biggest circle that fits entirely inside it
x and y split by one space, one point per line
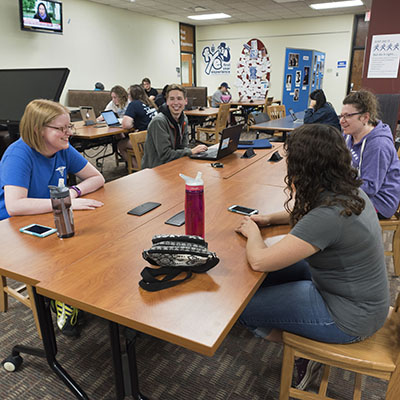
346 116
63 129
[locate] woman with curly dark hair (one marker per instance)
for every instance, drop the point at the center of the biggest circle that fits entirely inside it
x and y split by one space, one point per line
327 278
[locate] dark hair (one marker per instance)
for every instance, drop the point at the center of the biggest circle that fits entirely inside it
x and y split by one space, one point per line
365 102
99 86
41 4
147 80
318 160
175 86
138 93
164 91
319 96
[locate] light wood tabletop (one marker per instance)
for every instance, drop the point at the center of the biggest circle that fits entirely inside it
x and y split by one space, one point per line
197 314
204 112
96 131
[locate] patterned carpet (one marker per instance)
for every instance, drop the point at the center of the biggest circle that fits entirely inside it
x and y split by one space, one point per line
244 367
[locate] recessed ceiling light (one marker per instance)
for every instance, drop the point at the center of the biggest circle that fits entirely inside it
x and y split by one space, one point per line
337 4
209 16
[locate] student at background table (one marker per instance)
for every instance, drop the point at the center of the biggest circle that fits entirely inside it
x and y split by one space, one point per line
42 157
167 134
327 278
160 98
151 92
373 152
138 115
320 111
119 102
222 95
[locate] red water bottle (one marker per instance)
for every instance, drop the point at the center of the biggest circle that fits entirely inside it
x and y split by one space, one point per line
194 205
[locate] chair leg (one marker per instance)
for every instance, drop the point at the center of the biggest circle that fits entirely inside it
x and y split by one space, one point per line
324 381
33 308
3 294
396 251
129 163
357 387
286 372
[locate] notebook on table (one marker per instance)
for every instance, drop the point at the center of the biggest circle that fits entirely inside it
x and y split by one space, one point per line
227 145
255 144
110 118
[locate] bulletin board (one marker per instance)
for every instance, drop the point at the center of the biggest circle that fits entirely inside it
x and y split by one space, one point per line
253 71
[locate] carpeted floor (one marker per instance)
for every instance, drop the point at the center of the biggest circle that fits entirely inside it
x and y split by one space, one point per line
244 367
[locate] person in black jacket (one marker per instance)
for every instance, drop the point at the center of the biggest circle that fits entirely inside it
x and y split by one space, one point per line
320 111
41 14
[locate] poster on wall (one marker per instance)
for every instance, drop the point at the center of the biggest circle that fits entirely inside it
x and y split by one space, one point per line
253 71
289 82
384 57
217 59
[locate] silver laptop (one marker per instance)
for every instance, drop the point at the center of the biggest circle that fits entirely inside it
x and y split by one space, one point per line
110 118
227 145
88 115
293 115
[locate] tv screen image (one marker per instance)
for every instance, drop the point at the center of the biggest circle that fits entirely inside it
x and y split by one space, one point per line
45 16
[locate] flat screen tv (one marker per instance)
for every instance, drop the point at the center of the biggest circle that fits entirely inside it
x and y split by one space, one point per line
41 16
20 86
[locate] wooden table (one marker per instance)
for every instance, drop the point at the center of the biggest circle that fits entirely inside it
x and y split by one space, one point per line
98 269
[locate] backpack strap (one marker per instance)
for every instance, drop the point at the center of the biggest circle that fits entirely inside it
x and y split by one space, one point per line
150 282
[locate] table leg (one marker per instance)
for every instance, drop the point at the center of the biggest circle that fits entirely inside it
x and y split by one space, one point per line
117 360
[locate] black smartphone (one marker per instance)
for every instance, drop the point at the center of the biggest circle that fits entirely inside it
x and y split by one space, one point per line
177 219
144 208
243 210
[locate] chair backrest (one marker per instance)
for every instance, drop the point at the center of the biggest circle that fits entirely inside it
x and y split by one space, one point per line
260 118
389 105
209 101
222 117
137 140
276 112
268 102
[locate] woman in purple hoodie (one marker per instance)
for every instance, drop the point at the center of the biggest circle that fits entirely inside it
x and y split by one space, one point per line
370 142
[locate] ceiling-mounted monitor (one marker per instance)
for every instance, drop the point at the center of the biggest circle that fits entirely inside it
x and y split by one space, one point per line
41 16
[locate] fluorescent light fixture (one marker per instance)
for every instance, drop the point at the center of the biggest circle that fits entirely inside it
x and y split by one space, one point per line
209 16
337 4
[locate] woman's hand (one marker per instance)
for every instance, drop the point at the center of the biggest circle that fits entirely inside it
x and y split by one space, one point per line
261 220
313 103
85 204
247 227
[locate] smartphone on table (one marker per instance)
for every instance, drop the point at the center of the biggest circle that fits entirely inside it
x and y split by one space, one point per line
38 230
243 210
144 208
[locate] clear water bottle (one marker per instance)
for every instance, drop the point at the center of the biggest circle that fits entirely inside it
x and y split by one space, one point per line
62 211
194 205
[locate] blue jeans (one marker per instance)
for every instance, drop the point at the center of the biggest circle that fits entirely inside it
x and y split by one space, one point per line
288 300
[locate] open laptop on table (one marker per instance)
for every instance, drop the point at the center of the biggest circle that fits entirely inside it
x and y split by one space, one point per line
88 115
227 145
110 118
293 115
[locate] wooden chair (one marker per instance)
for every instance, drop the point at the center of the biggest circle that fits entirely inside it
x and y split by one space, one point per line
209 101
28 300
377 356
137 140
276 112
268 102
220 124
393 224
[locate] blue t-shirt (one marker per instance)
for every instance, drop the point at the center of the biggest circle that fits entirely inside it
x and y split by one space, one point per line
25 167
141 114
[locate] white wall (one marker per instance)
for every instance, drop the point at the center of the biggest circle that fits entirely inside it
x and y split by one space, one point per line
332 35
100 43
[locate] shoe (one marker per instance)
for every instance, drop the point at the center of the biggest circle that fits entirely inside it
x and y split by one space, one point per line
307 372
67 319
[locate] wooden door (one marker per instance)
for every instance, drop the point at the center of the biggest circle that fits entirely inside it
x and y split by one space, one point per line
187 69
357 70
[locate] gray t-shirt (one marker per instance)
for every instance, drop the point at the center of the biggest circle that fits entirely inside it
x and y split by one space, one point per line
349 270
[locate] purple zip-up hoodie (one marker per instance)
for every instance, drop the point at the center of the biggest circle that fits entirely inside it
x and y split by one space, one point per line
379 169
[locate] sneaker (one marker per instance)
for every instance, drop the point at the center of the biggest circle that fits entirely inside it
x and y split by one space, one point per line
307 372
67 318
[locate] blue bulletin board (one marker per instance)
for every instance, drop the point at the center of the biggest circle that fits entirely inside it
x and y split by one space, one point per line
304 71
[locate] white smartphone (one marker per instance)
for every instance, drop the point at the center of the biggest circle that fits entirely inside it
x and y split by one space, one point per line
38 230
243 210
